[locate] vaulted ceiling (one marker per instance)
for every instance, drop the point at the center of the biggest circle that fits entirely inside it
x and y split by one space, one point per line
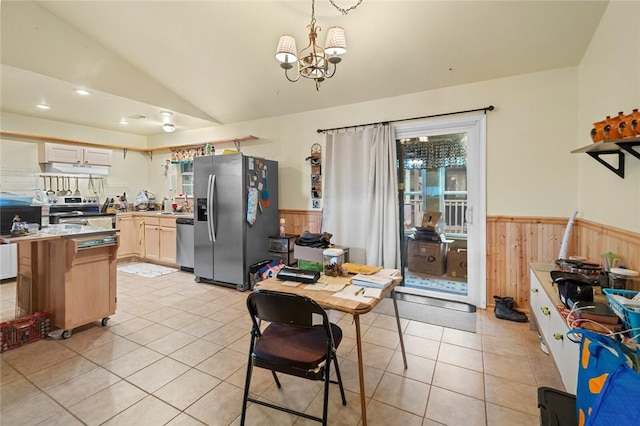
212 62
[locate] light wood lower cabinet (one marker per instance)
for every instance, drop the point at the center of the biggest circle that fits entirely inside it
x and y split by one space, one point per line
128 235
82 282
160 240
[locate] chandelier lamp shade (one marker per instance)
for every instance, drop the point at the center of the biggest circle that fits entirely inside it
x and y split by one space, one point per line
313 62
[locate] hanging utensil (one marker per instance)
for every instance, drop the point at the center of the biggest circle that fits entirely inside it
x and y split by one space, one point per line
58 190
69 191
77 191
50 191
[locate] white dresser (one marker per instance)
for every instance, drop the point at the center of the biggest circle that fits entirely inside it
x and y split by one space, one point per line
552 326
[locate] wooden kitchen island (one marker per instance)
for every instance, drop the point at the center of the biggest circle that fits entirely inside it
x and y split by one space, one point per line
68 271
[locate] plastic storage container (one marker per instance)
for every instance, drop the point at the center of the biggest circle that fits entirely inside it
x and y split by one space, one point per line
630 318
332 261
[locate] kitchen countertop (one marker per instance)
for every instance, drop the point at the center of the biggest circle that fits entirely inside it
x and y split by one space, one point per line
53 232
154 213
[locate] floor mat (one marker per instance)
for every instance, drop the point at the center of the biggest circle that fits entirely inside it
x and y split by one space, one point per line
430 314
415 280
147 270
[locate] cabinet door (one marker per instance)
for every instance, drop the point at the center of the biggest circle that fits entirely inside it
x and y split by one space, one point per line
168 245
138 237
128 235
88 292
152 242
97 156
56 153
8 261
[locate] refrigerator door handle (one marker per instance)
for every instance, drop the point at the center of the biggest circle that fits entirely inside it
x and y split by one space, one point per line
210 219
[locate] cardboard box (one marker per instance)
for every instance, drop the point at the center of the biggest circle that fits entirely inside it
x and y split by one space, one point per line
427 258
429 219
314 254
457 263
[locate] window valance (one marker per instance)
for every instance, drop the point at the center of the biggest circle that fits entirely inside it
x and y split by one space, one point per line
434 154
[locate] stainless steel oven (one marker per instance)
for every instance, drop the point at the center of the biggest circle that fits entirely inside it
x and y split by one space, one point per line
81 213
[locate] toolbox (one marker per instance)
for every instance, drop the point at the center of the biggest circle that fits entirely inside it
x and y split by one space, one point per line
23 330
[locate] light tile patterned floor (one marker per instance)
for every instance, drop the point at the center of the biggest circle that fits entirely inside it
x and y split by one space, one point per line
176 351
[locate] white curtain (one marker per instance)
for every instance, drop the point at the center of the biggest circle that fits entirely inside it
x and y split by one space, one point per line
360 206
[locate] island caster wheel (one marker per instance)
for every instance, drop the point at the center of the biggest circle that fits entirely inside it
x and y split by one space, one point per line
66 334
104 321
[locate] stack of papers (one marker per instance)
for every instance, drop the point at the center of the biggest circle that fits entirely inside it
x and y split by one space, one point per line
374 281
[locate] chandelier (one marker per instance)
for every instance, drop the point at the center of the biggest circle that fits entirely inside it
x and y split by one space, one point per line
313 61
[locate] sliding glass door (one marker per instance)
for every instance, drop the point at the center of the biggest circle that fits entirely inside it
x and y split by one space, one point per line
441 193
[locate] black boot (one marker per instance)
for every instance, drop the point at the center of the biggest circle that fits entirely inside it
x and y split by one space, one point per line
504 309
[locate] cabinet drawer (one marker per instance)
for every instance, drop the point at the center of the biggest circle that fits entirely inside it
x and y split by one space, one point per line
151 220
168 222
287 258
282 244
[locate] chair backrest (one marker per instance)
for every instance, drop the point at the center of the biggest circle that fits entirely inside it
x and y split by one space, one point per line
285 308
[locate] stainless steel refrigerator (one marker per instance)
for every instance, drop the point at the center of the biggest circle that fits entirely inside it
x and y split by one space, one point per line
230 192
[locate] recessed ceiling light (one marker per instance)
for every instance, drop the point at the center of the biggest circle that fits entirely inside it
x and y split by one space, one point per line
123 121
82 92
166 113
43 106
168 127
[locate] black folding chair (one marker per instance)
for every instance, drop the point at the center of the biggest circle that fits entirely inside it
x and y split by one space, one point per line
291 344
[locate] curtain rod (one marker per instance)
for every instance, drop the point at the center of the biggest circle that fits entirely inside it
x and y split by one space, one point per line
485 109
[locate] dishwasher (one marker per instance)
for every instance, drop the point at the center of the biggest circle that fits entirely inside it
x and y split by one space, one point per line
184 243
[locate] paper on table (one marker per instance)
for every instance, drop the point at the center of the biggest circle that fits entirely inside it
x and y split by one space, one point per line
315 286
374 293
326 279
334 287
353 292
388 273
290 283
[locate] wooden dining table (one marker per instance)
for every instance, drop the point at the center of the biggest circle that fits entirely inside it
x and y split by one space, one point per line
328 300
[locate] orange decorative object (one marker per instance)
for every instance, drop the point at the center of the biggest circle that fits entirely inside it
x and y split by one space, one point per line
632 127
597 133
611 127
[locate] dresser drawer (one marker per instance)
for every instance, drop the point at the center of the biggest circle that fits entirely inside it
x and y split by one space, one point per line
282 244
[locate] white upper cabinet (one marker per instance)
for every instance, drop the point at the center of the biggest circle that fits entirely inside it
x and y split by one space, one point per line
59 153
97 156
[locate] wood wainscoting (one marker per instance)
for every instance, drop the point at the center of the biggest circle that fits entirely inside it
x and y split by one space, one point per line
514 242
298 221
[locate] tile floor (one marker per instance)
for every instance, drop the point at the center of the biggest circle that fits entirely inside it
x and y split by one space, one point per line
175 354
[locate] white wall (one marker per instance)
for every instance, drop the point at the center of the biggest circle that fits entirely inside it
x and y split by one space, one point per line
609 81
530 134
